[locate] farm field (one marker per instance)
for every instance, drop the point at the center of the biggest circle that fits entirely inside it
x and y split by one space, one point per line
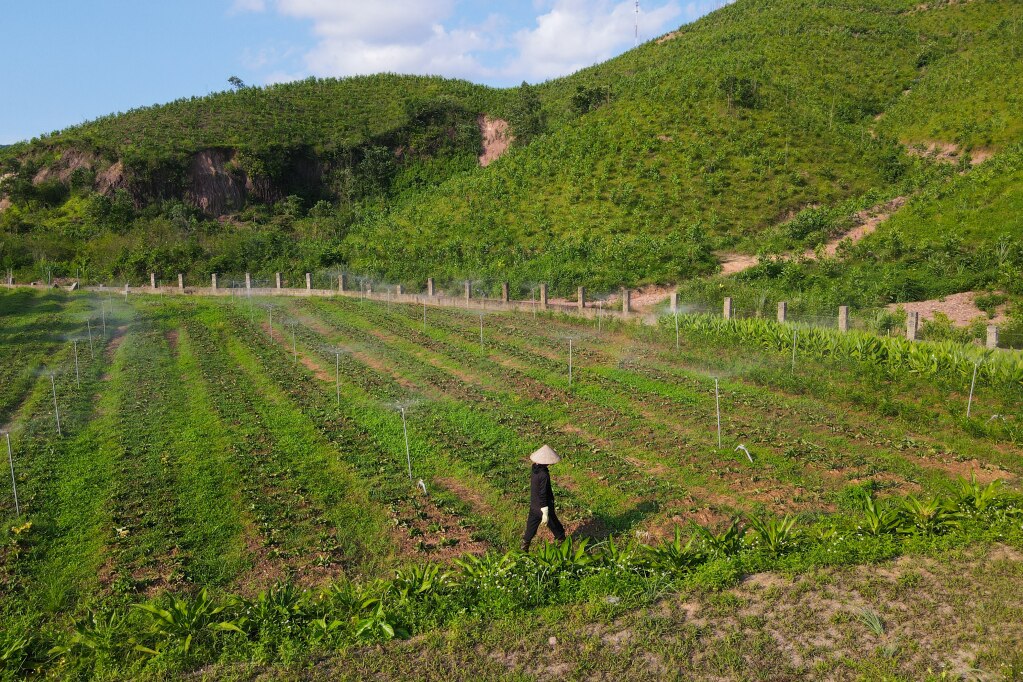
249 457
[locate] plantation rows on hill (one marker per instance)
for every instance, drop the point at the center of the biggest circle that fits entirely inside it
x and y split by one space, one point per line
756 129
234 453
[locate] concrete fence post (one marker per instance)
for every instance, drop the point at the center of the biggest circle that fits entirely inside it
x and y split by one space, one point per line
429 286
912 325
674 302
468 290
213 281
783 311
843 318
181 282
342 282
727 312
248 281
308 281
626 300
152 280
582 298
277 280
992 336
399 290
504 292
543 297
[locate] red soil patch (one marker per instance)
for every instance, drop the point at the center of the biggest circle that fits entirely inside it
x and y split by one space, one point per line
984 473
497 138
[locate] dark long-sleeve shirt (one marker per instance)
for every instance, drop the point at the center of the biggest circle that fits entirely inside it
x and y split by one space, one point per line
540 493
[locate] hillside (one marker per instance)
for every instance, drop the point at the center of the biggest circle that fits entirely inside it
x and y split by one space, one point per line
638 170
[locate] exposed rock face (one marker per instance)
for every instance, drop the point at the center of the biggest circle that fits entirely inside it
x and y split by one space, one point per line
496 138
213 187
110 180
70 161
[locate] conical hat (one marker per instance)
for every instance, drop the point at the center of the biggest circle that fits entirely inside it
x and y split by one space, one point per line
545 455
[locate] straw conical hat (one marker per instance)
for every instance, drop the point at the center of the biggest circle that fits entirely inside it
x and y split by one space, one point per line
545 455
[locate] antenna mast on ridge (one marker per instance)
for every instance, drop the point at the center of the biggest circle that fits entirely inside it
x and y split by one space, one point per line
637 23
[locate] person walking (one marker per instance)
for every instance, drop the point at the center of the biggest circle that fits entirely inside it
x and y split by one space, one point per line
541 497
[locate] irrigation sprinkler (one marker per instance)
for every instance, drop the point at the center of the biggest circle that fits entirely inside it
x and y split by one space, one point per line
421 484
294 342
482 351
717 405
78 376
92 353
424 316
103 316
337 375
600 314
56 410
973 383
676 331
408 452
14 481
743 448
532 298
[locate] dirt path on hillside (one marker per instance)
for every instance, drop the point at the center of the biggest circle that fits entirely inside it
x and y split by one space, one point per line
867 221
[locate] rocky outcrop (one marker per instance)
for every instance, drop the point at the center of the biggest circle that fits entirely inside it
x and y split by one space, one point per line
111 179
214 186
70 161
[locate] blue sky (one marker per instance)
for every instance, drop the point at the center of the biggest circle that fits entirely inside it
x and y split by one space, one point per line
67 61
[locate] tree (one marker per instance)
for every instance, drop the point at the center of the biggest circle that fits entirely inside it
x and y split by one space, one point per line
236 82
528 118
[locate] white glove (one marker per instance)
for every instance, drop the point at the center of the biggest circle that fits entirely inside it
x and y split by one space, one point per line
543 519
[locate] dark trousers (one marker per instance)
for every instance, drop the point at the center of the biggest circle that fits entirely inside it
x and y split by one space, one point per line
533 524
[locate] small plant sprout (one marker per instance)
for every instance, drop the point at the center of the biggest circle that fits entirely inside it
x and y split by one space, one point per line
717 406
973 383
743 448
872 620
56 410
78 375
14 481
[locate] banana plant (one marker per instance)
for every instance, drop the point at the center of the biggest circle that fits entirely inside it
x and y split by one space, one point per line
674 557
775 535
180 620
928 517
724 544
878 522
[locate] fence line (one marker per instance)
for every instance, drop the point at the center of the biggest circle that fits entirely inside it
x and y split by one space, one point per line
480 295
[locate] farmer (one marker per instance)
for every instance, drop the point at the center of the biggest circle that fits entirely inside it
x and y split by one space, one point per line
541 497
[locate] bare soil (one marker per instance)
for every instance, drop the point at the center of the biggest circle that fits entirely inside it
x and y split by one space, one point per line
960 309
497 138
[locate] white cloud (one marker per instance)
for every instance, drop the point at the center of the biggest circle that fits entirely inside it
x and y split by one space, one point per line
248 6
426 36
574 34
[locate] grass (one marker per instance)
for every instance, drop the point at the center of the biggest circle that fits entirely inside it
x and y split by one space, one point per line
205 454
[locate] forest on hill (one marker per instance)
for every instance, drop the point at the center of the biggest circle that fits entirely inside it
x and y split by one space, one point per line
761 129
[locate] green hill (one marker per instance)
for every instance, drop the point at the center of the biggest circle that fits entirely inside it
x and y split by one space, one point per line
634 171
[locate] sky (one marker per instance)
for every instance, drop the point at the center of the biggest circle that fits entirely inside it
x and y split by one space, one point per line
69 61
